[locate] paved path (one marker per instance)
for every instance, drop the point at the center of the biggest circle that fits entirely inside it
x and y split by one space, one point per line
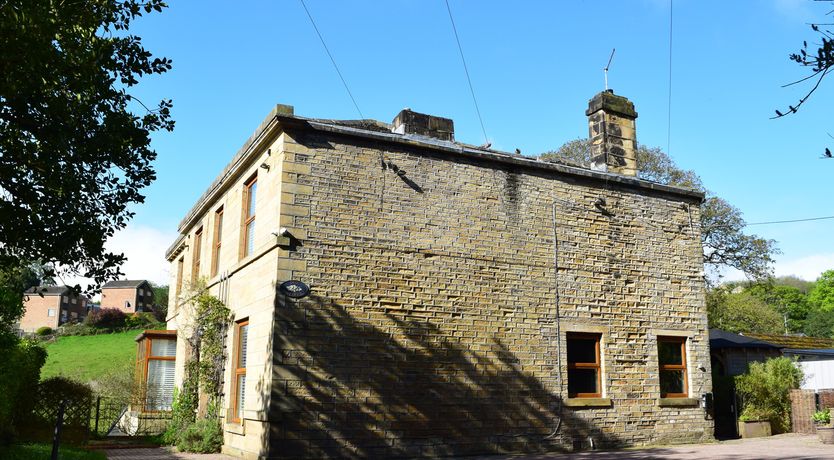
783 446
159 453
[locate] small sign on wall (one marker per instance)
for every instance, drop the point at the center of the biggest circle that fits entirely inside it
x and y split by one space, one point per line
294 289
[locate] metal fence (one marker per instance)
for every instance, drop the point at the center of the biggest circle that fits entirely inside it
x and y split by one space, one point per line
120 417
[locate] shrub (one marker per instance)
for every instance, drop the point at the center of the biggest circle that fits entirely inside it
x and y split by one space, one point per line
822 417
106 318
20 370
55 389
765 391
143 321
78 329
45 330
204 436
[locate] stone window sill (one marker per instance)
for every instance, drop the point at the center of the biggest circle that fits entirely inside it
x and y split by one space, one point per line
678 402
587 402
234 428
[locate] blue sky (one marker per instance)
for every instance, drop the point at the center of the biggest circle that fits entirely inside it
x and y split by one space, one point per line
534 65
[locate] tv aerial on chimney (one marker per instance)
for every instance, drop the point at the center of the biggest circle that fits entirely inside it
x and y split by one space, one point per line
605 70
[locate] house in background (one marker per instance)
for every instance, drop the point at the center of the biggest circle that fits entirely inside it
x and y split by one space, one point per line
129 296
397 293
51 306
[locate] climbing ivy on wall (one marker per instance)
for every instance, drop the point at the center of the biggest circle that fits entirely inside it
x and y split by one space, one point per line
192 429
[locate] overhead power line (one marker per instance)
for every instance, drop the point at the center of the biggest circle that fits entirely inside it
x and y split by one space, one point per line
669 107
466 70
791 221
331 58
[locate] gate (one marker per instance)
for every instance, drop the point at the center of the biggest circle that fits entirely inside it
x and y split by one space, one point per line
119 417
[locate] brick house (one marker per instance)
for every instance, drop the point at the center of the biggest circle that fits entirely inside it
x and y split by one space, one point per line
51 306
129 296
397 293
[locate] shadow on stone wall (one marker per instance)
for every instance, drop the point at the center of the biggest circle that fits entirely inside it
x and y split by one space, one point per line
402 387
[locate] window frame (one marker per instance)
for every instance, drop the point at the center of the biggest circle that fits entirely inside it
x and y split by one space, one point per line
195 261
180 270
218 241
144 357
248 214
597 366
237 370
681 341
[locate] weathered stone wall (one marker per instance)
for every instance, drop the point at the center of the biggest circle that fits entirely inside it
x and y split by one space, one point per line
432 326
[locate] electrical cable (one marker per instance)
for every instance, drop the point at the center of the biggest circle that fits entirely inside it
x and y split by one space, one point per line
466 70
669 106
331 58
790 221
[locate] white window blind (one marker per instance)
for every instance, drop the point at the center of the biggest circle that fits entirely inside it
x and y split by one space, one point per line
160 391
163 347
244 338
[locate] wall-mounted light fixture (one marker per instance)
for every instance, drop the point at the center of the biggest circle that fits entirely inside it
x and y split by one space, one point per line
265 166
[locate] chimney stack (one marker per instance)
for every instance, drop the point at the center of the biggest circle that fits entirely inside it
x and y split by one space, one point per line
410 122
612 133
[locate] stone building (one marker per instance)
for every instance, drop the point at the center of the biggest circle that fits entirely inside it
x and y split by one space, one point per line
129 296
397 293
51 306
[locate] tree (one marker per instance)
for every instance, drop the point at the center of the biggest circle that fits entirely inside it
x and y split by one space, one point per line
820 62
73 154
820 323
740 312
160 295
14 281
821 296
722 225
789 301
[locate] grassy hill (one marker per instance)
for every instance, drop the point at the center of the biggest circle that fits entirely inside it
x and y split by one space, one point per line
88 357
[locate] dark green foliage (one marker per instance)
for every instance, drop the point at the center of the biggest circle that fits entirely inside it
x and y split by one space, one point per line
143 320
789 301
106 318
59 388
44 450
765 391
184 407
820 323
73 154
20 370
205 436
44 330
722 226
160 296
740 312
14 280
203 374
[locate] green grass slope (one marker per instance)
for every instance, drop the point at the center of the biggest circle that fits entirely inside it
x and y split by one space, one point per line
88 357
